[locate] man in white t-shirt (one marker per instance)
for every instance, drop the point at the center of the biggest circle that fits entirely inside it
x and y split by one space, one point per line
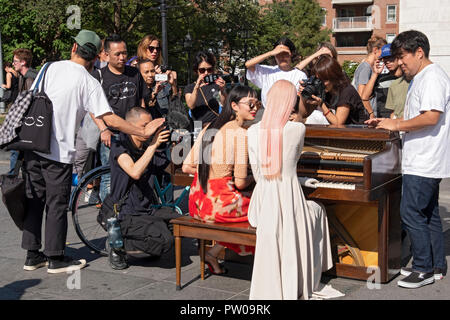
264 76
425 156
73 92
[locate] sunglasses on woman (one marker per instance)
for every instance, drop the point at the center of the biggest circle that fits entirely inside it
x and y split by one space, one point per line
203 70
151 48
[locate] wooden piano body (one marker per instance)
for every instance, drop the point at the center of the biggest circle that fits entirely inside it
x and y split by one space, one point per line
359 171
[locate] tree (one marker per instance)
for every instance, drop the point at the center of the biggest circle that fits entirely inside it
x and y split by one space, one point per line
299 20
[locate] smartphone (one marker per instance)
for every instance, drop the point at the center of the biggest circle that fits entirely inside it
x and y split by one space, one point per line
161 77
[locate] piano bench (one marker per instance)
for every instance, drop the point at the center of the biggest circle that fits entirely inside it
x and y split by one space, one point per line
187 227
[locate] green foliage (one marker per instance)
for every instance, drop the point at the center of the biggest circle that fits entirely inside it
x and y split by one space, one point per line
235 30
299 20
350 68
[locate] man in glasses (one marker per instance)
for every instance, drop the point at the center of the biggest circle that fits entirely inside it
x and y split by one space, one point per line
22 64
124 89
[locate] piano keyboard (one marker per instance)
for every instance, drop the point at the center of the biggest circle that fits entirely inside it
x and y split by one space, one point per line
336 185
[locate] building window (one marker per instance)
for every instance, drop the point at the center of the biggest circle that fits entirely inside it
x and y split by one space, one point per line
391 13
324 18
347 12
390 37
357 39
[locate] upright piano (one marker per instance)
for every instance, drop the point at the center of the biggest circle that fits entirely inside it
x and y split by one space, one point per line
359 174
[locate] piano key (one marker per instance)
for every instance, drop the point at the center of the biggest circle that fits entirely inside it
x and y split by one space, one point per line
336 185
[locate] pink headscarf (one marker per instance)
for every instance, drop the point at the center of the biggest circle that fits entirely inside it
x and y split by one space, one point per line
281 99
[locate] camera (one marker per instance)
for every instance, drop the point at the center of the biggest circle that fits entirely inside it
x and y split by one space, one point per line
211 78
313 86
161 77
164 68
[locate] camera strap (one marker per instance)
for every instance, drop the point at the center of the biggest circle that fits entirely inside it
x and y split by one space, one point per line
206 101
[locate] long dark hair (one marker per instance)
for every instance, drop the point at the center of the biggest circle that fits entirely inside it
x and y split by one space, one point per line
227 114
201 56
327 68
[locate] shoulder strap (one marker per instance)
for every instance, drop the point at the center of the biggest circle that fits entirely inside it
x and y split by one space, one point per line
101 77
121 202
206 101
42 77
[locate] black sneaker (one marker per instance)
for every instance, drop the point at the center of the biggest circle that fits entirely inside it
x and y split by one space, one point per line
438 273
65 264
118 259
416 280
36 262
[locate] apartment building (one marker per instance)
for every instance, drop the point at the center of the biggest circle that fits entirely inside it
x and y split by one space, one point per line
353 22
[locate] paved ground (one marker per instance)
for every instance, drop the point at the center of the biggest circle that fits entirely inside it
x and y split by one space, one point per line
148 279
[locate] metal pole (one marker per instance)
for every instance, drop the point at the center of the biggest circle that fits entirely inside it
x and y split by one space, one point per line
163 9
189 65
2 104
245 58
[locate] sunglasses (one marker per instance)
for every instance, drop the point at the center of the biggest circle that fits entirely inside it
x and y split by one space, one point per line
203 70
251 105
151 48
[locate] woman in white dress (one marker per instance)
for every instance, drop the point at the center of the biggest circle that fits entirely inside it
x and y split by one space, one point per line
292 237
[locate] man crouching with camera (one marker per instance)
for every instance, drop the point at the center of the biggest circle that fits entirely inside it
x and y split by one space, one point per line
143 227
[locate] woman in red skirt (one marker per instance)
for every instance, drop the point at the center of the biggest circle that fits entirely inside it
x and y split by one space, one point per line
219 162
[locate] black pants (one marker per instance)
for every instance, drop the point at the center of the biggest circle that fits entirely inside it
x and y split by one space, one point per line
48 185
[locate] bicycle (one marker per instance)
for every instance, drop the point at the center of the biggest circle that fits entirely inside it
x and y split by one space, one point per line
85 203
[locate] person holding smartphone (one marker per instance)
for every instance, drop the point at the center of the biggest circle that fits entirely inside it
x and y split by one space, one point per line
149 49
205 96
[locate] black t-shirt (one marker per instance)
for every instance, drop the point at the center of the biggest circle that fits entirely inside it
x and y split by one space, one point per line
123 91
157 111
348 96
381 90
141 195
202 112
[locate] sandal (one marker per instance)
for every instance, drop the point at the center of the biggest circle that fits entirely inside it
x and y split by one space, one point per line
211 268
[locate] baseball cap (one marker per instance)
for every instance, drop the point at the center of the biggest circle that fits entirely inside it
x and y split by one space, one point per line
86 36
386 51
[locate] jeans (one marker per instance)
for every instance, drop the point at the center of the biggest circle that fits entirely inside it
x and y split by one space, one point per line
105 182
13 161
419 211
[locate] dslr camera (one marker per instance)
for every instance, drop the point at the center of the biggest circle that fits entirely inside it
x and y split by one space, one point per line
211 78
313 86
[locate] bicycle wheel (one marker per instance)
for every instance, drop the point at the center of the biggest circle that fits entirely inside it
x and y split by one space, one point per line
85 203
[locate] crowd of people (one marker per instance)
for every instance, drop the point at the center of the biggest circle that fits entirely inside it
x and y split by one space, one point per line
245 158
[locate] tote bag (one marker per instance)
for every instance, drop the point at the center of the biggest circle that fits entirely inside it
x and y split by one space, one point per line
35 131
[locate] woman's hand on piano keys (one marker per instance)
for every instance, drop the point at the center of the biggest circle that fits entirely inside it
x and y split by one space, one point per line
308 182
